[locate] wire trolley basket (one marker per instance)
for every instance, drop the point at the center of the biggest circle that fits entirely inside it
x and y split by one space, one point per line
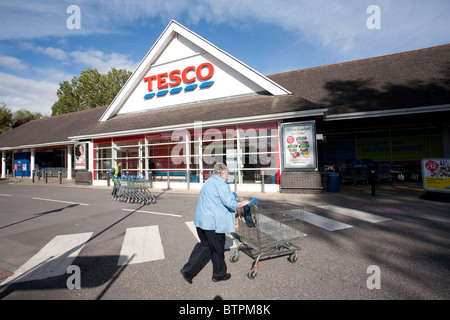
268 230
134 191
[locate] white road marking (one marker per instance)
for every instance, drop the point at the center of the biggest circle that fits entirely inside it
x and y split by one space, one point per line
365 216
325 223
61 201
6 195
52 260
276 229
141 244
191 226
157 213
230 240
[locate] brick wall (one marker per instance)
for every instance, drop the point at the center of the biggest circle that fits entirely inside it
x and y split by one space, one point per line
300 182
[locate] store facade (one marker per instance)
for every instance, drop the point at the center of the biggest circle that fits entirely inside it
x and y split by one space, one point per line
190 105
185 157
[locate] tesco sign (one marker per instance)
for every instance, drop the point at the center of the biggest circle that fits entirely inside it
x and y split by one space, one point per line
173 79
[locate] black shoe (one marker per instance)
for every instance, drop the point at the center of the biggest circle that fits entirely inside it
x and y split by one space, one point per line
224 278
186 275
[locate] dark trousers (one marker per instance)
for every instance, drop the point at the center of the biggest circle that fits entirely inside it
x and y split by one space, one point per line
210 247
115 189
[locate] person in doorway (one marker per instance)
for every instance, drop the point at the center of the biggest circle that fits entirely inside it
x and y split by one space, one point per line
214 216
115 173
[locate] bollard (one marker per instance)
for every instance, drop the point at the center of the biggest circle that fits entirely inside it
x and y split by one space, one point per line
46 176
168 180
262 181
373 182
60 176
32 176
150 177
188 180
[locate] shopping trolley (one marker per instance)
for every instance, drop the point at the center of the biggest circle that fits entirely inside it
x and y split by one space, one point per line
383 172
267 230
134 190
355 173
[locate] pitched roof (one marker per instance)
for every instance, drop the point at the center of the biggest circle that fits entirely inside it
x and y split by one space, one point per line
51 130
403 80
177 43
410 80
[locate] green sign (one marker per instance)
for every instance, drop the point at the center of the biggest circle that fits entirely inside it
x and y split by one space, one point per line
399 149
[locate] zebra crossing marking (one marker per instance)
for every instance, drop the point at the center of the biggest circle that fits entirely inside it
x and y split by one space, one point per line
157 213
141 244
230 240
52 260
365 216
325 223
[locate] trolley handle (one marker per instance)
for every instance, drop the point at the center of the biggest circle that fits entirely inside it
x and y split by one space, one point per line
254 201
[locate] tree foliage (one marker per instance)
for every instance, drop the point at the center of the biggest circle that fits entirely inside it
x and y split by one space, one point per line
5 118
10 120
90 90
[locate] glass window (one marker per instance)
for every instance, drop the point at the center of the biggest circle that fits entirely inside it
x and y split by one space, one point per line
250 151
102 159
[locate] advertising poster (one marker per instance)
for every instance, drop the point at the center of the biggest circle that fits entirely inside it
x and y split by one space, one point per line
80 156
436 174
299 145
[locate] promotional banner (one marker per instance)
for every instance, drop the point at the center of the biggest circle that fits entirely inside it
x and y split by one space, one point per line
436 174
80 156
299 145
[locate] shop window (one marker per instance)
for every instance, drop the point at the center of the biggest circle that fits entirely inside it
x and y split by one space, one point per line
250 152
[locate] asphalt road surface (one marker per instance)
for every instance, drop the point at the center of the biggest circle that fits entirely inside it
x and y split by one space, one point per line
353 250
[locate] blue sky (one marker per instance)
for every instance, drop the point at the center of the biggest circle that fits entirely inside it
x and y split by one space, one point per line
38 50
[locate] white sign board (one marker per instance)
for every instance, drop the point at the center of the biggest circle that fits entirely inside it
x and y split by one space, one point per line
299 145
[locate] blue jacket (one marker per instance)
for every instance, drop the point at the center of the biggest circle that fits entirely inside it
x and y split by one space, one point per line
216 206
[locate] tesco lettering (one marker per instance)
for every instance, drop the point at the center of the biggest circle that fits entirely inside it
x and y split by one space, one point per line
188 75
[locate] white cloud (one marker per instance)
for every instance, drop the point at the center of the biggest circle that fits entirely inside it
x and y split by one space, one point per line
21 93
338 25
12 63
39 96
55 53
102 61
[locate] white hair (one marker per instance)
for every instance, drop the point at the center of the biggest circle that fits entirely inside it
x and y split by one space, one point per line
220 168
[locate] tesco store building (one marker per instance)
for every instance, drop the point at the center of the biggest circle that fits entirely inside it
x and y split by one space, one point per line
189 105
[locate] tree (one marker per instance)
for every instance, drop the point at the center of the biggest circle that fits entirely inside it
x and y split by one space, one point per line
90 90
22 116
5 118
10 120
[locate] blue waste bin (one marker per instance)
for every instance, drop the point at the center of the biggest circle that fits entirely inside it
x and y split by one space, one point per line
333 182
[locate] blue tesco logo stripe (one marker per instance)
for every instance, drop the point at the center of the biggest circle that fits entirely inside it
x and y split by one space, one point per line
206 84
190 87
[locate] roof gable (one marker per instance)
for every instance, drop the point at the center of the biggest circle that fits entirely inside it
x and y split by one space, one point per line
183 68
